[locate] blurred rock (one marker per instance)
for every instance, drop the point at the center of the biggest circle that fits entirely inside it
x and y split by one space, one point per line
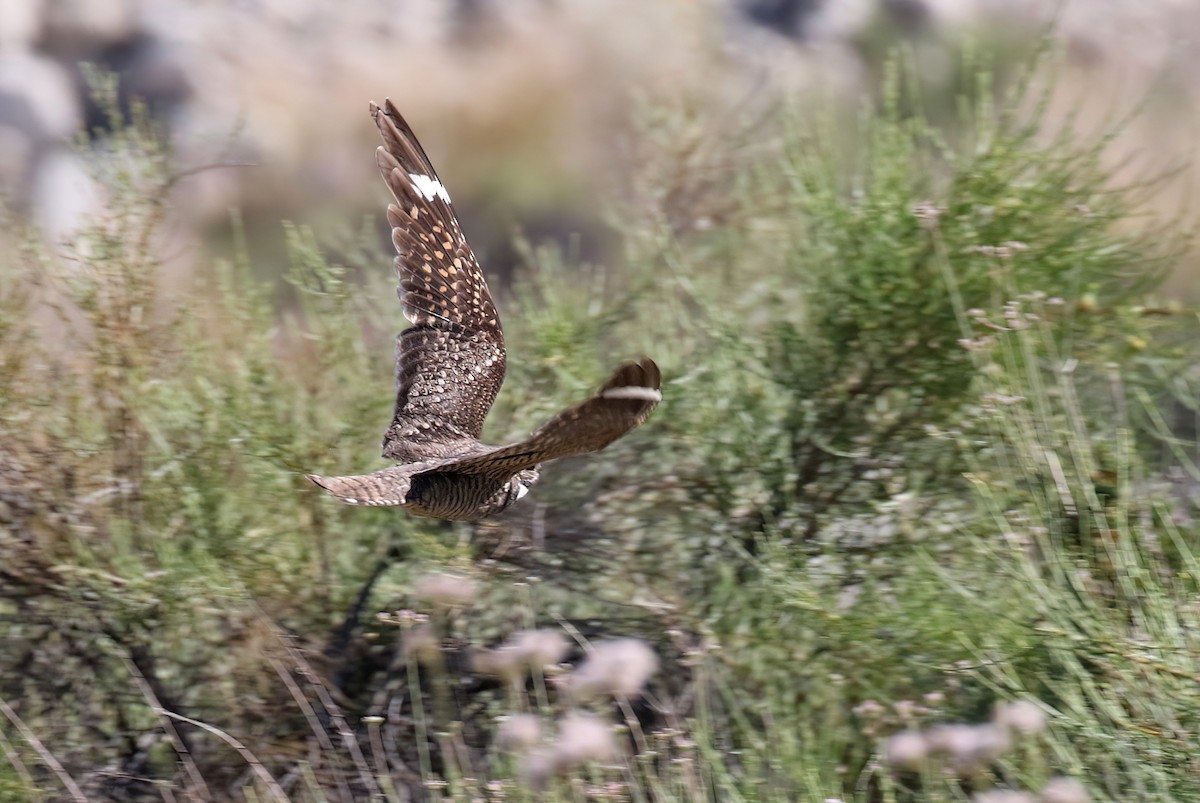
77 29
147 70
786 17
20 24
282 84
38 108
16 161
65 196
38 97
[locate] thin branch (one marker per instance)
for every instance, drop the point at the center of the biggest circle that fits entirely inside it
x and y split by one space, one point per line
14 759
331 708
243 751
311 716
47 756
168 727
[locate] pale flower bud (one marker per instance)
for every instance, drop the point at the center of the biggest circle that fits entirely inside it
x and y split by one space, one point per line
906 750
446 590
1022 716
519 731
620 668
1064 790
583 738
524 651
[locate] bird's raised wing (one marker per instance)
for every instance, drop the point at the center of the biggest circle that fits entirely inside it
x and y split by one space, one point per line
625 401
450 362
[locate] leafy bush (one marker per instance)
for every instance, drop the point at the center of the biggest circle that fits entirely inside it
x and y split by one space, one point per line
900 473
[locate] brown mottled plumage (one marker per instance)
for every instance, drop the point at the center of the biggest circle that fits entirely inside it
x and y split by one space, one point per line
450 364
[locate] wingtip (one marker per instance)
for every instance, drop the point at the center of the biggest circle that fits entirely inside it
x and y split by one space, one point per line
387 117
644 374
639 382
634 393
387 109
653 375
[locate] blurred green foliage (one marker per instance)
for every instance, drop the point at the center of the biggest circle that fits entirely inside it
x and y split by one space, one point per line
909 463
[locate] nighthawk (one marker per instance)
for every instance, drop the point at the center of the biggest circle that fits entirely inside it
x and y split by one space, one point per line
451 361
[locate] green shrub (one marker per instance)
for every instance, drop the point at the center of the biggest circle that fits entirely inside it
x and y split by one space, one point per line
900 473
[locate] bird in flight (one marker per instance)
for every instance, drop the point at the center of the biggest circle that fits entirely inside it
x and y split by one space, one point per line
451 361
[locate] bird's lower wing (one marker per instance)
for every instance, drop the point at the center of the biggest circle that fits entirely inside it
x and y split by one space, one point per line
387 487
625 401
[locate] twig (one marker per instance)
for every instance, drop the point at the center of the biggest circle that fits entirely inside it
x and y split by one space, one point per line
409 775
381 762
14 759
242 750
168 727
47 756
311 716
335 713
341 639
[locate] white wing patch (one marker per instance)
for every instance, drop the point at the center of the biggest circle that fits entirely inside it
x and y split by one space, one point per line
522 489
638 393
349 500
429 187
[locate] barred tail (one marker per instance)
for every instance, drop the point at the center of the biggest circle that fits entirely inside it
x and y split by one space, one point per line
386 487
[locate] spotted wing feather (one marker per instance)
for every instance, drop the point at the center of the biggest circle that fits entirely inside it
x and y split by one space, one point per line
625 401
450 363
386 487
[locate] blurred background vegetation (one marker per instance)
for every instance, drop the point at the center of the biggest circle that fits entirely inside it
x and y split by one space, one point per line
915 521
